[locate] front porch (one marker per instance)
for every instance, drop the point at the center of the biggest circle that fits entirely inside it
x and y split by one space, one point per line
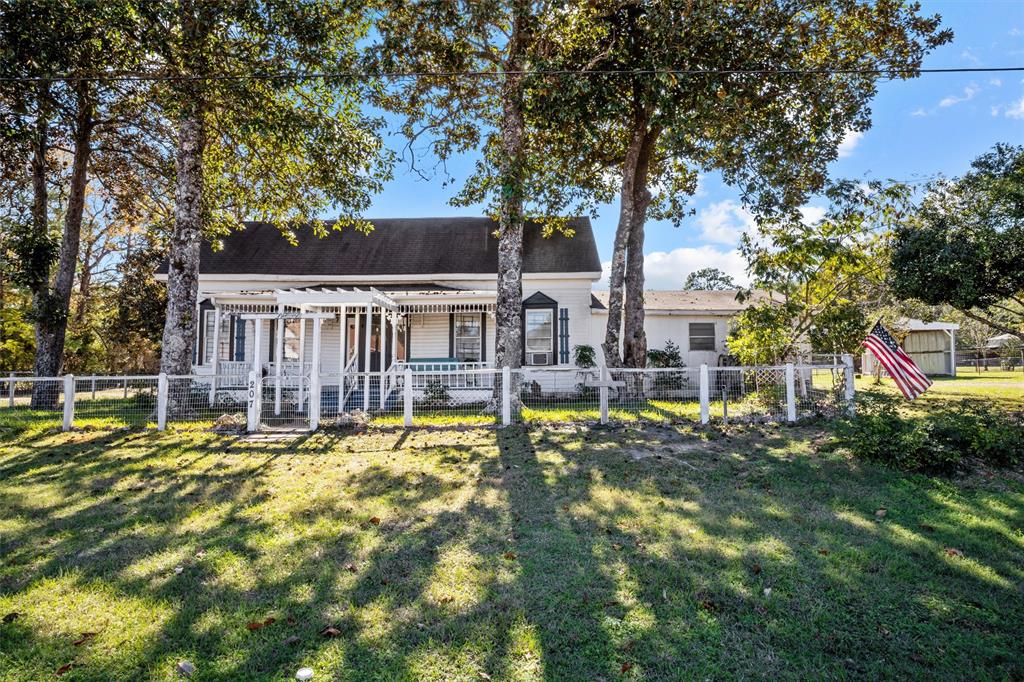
354 342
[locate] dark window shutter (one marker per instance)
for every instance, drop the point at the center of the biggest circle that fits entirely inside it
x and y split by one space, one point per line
240 340
451 335
483 337
563 336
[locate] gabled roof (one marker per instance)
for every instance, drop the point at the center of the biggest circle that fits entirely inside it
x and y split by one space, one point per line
710 302
403 246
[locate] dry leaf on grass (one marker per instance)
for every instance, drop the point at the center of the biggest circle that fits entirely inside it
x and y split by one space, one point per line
509 555
953 551
86 636
330 631
375 520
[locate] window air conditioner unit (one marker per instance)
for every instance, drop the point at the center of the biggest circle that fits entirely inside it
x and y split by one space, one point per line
540 358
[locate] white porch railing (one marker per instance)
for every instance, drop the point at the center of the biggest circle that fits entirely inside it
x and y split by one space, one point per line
449 374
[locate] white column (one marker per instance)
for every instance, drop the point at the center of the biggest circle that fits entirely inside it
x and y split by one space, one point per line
253 396
161 402
705 392
69 401
302 356
314 378
952 352
278 358
394 337
407 397
790 393
849 387
383 354
342 337
366 360
13 387
257 359
216 354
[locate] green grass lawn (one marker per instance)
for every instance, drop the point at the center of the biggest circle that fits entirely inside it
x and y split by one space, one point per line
546 553
1002 388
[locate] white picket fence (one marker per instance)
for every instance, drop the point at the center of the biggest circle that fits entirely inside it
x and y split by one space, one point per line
407 396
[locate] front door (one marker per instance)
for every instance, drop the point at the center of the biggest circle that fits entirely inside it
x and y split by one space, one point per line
374 350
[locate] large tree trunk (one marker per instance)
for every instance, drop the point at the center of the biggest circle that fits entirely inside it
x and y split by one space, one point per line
634 350
627 253
52 321
183 253
634 338
508 336
44 394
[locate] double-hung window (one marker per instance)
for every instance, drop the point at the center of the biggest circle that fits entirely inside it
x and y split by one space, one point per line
468 337
209 321
539 329
702 336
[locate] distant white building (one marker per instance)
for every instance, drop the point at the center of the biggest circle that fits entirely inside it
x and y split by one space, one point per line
932 345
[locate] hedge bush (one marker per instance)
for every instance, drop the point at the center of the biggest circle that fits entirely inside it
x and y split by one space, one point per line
939 442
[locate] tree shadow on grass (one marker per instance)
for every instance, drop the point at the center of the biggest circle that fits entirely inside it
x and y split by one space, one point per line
550 554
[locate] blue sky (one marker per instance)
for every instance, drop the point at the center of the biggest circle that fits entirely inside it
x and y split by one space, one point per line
933 124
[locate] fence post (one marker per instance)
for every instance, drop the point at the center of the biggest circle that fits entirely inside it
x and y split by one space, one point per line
848 375
603 392
10 395
506 396
790 393
253 388
94 387
705 395
161 402
69 401
407 397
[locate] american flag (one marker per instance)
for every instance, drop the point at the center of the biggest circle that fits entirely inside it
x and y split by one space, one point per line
904 371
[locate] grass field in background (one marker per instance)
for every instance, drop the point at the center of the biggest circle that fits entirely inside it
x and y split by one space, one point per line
562 553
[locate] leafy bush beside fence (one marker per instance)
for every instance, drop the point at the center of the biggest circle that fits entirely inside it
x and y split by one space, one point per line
939 442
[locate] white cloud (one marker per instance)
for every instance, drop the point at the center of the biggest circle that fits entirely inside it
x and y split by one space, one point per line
1015 31
724 222
995 82
968 56
668 269
994 111
969 92
850 141
1016 110
812 214
919 112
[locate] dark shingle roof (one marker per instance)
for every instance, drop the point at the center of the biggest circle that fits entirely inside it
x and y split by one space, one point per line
405 246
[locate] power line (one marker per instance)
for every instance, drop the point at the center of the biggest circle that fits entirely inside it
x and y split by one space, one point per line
398 75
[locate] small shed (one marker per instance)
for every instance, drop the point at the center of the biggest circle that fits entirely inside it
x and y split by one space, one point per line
932 345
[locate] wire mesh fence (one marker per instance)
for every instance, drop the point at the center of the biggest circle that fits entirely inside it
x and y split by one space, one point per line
115 401
431 398
556 394
30 403
821 391
285 401
205 401
462 397
748 393
1009 357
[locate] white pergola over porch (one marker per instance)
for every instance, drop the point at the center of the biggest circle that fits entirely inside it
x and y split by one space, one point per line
317 304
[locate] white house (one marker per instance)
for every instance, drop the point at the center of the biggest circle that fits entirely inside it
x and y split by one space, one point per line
417 292
696 321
